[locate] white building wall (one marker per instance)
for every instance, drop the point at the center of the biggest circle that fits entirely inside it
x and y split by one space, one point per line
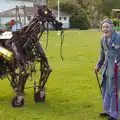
65 21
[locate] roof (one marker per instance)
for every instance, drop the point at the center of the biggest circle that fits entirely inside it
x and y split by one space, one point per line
63 14
117 10
27 0
30 11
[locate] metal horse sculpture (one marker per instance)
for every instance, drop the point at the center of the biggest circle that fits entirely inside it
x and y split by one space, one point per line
20 56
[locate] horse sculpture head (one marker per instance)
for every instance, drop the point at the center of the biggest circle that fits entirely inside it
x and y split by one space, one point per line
48 16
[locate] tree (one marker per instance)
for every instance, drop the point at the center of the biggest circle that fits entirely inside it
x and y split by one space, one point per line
96 12
80 2
109 5
79 17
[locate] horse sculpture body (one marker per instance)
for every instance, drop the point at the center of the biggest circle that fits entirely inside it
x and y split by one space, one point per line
24 53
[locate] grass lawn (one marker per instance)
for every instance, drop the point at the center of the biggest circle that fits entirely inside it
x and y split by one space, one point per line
72 90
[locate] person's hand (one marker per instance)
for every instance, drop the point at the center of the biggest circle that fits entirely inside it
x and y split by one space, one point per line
97 69
118 68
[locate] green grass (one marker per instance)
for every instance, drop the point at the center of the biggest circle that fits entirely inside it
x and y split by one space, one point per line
72 90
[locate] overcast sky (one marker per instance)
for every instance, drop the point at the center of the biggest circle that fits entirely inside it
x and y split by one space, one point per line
8 4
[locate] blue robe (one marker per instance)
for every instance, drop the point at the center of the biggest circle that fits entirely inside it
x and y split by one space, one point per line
109 51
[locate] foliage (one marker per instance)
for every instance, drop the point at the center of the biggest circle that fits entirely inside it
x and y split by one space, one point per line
79 17
8 25
52 3
109 5
115 22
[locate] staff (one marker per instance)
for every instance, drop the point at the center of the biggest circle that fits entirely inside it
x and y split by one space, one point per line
116 83
98 82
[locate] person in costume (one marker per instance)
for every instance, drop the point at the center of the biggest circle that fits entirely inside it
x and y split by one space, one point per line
110 74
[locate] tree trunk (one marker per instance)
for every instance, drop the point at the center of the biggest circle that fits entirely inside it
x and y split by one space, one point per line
80 2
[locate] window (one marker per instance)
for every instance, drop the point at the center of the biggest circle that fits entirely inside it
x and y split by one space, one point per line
29 18
60 18
65 18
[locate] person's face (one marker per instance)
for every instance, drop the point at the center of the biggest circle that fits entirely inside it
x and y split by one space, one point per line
106 29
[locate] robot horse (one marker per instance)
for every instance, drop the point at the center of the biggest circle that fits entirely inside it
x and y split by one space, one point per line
22 56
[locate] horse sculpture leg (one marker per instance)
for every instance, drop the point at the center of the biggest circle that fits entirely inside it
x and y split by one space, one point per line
18 100
45 70
17 80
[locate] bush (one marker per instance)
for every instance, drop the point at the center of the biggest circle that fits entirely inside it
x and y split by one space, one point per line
8 25
115 22
79 17
68 7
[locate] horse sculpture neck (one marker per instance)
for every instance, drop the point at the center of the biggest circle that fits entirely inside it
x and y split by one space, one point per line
26 40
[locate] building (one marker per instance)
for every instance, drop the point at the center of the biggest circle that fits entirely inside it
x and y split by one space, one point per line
42 2
9 4
27 13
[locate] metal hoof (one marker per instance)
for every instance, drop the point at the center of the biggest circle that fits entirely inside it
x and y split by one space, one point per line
17 101
39 96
